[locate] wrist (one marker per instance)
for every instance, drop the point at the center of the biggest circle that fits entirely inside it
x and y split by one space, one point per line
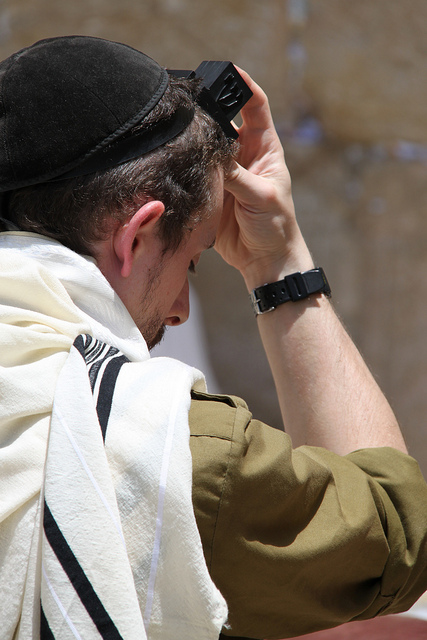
266 270
292 288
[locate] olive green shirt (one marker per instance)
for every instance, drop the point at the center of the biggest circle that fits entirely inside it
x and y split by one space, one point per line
300 540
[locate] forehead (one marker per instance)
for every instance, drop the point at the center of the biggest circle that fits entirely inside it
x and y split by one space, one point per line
211 216
206 223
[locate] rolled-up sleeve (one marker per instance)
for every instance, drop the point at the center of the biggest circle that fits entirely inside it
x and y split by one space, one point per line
301 540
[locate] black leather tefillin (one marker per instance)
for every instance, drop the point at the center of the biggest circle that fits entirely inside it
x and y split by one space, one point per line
223 93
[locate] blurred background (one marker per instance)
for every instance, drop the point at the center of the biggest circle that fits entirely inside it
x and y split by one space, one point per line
347 83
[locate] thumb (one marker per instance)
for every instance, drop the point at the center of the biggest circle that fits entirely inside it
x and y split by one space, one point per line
252 191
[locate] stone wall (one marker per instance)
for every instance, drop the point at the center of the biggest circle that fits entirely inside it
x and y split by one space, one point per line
347 83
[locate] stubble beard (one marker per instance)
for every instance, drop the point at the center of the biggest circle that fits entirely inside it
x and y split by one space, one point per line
153 334
152 328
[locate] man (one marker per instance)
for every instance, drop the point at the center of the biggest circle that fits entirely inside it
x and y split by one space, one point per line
114 182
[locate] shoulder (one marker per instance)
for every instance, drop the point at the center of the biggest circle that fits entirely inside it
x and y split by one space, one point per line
225 445
217 427
223 436
217 416
267 513
223 430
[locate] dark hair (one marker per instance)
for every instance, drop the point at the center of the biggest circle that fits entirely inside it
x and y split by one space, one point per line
80 211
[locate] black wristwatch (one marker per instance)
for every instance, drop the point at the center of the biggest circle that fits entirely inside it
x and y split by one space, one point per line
292 288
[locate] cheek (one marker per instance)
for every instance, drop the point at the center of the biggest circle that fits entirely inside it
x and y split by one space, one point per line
177 276
179 295
172 286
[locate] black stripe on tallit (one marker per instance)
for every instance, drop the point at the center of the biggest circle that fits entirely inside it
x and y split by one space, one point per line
45 630
96 354
95 367
93 349
79 344
106 391
78 578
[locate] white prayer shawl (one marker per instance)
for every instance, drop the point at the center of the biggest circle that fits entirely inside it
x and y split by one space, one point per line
97 532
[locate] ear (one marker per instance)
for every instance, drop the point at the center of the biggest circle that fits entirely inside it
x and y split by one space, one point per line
129 238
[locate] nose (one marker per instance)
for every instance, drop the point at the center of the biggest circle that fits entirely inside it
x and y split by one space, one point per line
180 310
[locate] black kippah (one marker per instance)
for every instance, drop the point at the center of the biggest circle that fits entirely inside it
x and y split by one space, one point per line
64 101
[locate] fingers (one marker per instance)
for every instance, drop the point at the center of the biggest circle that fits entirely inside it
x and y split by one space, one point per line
256 112
259 142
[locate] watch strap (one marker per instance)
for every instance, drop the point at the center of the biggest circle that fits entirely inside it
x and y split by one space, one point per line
295 287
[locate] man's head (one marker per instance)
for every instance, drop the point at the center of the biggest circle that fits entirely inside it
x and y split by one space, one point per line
81 210
94 131
90 128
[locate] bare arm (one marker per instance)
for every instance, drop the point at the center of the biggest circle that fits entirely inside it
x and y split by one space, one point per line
326 393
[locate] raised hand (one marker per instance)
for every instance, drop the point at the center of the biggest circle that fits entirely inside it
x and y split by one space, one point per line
258 233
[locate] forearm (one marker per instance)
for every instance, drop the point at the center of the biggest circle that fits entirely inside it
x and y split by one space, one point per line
327 395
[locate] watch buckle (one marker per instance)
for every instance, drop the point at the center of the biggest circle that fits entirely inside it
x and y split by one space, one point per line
255 305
